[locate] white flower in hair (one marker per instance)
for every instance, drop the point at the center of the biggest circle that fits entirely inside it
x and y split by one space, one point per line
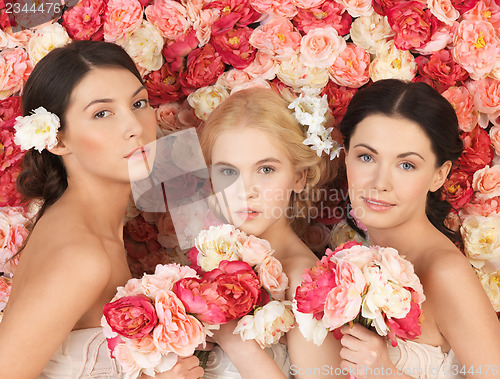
310 110
38 130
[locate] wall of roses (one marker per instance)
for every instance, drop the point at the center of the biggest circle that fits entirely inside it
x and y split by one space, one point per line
194 53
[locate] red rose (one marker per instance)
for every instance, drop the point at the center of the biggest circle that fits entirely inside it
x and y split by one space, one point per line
10 153
317 283
330 13
478 151
233 12
338 99
163 85
193 260
85 20
407 327
175 51
381 6
441 67
10 108
234 48
238 284
204 66
140 230
464 5
413 25
457 189
131 316
8 193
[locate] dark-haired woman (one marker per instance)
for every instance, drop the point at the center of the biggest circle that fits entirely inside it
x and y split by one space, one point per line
401 139
92 95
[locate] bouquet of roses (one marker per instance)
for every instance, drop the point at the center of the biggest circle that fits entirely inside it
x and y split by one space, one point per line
147 325
371 285
240 280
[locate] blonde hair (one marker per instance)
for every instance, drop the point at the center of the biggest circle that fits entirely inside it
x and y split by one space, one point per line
266 110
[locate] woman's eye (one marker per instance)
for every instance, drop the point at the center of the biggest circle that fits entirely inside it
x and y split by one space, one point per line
407 166
227 171
101 114
366 157
141 104
266 169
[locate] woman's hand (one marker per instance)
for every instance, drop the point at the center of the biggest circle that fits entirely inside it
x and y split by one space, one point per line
364 353
185 368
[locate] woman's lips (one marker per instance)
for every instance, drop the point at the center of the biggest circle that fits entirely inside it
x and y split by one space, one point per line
378 205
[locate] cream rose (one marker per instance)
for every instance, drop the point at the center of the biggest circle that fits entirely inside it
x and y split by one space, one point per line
342 233
392 63
491 284
296 75
481 238
204 100
46 39
371 31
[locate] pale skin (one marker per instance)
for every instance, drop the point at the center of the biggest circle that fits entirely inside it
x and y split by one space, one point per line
265 181
75 258
390 160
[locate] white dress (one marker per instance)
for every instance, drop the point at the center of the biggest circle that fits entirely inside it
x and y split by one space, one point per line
220 367
84 354
420 360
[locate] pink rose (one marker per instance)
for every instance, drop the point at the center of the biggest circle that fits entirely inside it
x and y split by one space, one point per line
5 285
10 153
170 17
481 207
464 5
15 67
329 13
486 93
203 67
475 42
233 78
441 67
312 292
443 10
277 38
457 189
85 20
272 277
486 10
175 50
477 152
277 8
307 4
350 69
343 303
487 182
407 327
176 331
164 278
238 284
166 117
382 6
203 24
263 67
495 138
122 17
234 48
401 270
413 25
442 38
202 299
463 103
233 12
357 8
321 46
338 99
131 316
10 108
255 250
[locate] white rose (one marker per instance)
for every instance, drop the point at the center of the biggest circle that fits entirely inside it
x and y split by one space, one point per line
481 239
38 130
218 243
491 284
144 45
369 32
312 329
392 63
296 74
267 324
342 233
46 39
204 100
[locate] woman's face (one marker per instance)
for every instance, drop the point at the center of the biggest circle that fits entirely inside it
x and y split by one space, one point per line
108 119
390 169
254 179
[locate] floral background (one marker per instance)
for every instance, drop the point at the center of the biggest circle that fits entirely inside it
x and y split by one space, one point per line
194 53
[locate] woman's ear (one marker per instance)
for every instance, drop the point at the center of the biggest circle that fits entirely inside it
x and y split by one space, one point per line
300 180
440 176
60 148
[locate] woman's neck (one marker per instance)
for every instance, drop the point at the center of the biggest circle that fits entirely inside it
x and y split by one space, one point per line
279 236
